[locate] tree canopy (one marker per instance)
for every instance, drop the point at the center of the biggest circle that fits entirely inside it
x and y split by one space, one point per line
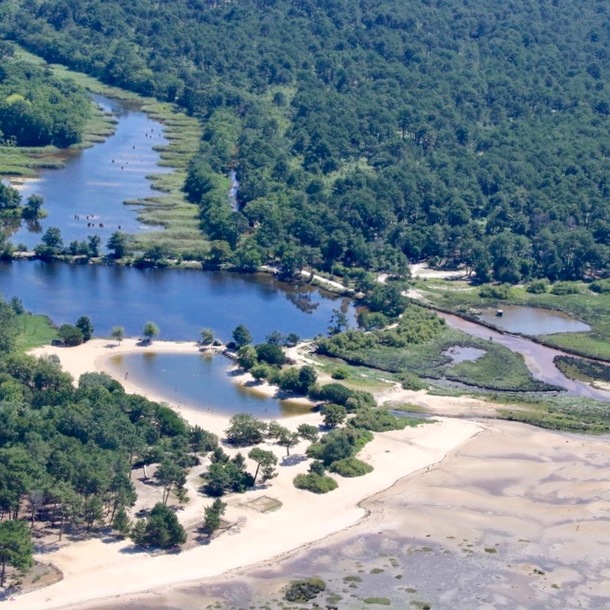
364 134
37 108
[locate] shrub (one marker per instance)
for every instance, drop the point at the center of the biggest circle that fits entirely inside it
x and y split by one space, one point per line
502 291
377 420
600 287
372 320
331 392
538 286
561 288
270 353
304 590
340 373
410 381
351 467
318 484
70 335
339 444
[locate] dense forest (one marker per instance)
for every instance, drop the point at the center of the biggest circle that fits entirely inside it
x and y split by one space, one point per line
66 452
372 132
37 109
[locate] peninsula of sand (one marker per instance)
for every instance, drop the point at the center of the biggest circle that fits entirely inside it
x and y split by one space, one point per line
104 568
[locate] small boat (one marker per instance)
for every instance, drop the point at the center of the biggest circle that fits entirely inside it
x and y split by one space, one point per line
499 313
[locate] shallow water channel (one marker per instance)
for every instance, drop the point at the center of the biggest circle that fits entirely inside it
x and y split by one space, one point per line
532 320
86 197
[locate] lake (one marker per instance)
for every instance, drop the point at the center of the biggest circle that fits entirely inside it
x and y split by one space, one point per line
200 381
180 302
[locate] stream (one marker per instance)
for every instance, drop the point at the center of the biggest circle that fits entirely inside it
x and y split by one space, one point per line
539 359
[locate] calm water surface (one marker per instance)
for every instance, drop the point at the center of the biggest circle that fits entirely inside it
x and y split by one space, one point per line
90 190
203 382
180 302
533 320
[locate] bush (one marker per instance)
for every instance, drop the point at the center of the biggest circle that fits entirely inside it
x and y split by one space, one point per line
410 381
600 287
318 484
304 590
377 420
332 392
339 444
372 320
561 288
340 373
538 286
70 335
351 467
270 353
502 292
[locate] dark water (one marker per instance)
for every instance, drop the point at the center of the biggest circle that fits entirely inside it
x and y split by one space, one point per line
533 320
199 381
96 181
180 302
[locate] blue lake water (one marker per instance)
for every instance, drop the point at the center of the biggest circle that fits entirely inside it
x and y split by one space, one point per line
180 302
91 189
199 381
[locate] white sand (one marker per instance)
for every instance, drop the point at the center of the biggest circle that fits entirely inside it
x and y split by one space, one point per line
96 569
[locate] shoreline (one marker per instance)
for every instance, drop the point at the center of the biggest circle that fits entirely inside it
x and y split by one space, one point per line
99 569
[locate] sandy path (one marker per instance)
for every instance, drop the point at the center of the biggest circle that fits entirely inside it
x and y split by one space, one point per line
96 569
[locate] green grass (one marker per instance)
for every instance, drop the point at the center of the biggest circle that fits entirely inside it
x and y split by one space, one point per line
583 370
36 330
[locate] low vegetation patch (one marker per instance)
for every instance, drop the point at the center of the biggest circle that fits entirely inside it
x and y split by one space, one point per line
339 444
583 370
316 483
422 355
351 467
304 590
381 420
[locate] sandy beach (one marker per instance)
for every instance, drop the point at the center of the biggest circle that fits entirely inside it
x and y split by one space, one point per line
102 569
514 519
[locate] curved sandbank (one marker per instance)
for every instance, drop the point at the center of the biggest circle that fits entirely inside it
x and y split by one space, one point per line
105 568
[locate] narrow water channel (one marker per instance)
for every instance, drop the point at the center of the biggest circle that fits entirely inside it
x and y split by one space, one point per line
539 359
86 197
